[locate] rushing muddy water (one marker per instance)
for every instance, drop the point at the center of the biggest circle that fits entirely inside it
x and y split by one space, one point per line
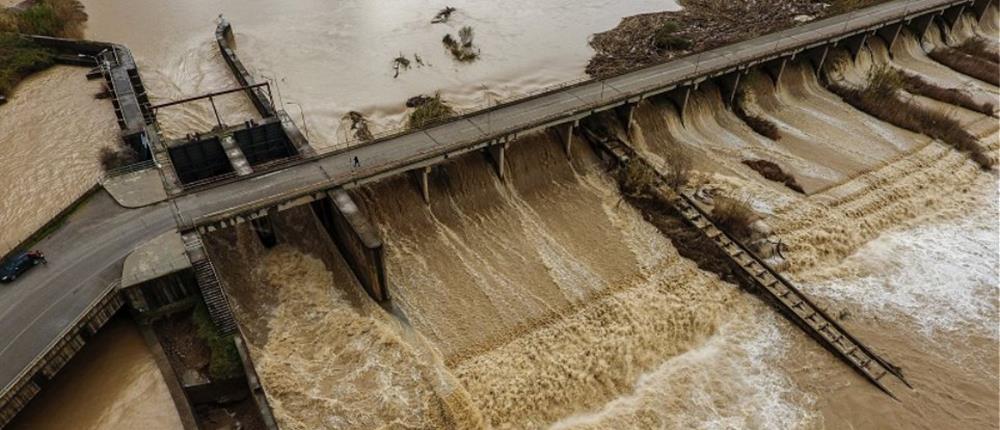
545 300
112 384
50 135
329 58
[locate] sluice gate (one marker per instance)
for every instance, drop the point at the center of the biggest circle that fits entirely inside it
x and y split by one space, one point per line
769 284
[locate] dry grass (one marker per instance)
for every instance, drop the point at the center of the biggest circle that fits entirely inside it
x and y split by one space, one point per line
60 18
981 48
432 110
636 179
679 165
978 68
773 172
759 124
734 216
880 98
914 84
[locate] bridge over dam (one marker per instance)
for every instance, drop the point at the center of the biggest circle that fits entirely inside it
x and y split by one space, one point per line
45 340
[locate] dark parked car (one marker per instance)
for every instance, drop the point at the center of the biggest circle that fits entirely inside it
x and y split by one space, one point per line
19 264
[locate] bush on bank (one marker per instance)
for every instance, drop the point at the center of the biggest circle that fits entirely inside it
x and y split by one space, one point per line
20 57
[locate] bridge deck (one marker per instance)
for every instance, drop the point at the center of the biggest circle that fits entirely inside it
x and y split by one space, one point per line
399 153
89 248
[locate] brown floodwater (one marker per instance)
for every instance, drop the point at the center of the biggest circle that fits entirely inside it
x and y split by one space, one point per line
544 301
329 58
113 383
50 135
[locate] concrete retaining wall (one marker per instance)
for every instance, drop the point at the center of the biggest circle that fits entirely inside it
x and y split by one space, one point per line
356 239
31 381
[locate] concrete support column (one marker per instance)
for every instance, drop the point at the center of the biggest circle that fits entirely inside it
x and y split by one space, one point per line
423 182
264 228
980 7
920 25
889 34
496 154
775 70
729 84
854 44
817 56
568 145
680 98
952 15
625 114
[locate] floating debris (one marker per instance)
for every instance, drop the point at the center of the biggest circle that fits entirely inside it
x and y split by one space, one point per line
443 15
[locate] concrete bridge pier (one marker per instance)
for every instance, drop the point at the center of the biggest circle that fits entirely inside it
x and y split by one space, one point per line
679 97
889 34
264 228
729 84
422 176
625 113
496 155
817 57
357 240
568 138
775 69
919 25
952 15
854 44
980 7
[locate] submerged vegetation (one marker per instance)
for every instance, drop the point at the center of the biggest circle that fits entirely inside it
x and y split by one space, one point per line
773 172
734 216
462 49
978 68
881 99
429 111
20 57
979 47
759 124
914 84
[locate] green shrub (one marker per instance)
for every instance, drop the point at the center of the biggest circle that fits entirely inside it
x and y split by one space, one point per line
39 19
224 362
19 58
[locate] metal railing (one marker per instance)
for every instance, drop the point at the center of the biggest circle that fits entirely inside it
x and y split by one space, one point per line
35 363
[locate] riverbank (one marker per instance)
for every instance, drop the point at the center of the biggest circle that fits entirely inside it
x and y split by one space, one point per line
19 57
644 40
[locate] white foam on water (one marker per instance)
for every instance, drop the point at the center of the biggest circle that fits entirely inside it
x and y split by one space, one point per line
943 275
730 381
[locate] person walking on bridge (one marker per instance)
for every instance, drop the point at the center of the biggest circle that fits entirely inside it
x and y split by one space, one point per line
357 163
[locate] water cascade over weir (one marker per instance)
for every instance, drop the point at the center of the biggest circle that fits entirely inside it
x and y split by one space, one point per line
543 298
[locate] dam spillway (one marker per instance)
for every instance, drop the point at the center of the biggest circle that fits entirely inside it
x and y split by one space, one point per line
310 186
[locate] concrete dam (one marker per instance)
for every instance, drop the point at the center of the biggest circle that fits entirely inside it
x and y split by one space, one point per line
493 269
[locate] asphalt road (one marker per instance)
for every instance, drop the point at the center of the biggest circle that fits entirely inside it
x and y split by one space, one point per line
85 255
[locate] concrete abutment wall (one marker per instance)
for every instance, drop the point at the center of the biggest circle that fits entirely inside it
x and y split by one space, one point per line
357 240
